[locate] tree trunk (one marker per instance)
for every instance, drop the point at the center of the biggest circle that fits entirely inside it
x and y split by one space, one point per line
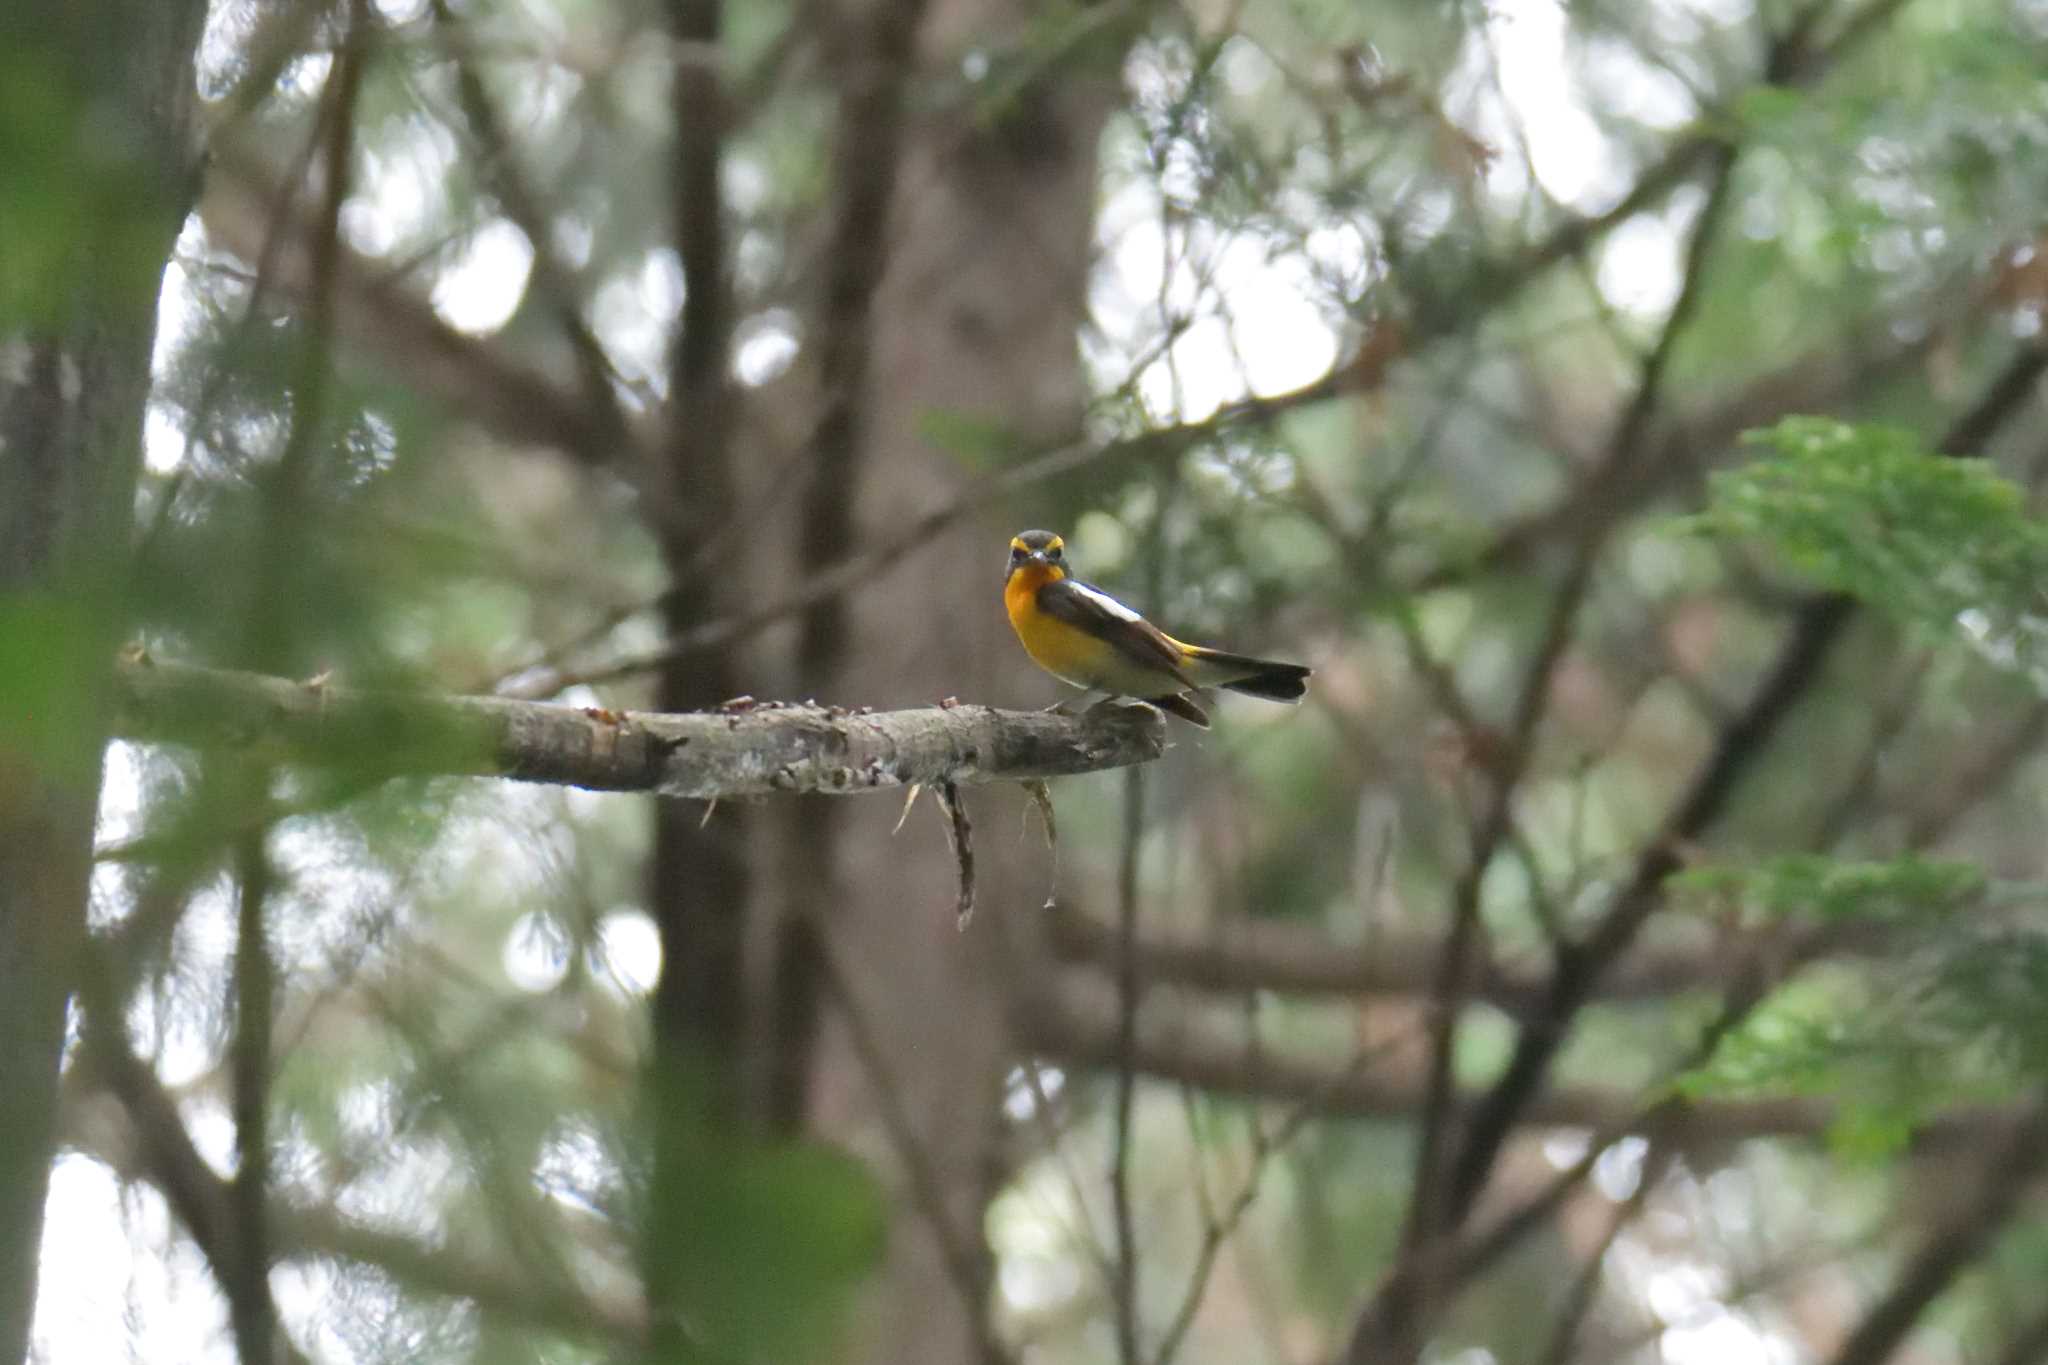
960 291
699 877
77 324
978 315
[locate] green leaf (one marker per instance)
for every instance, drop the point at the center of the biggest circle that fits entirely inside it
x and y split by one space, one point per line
1908 887
1791 1045
1934 541
1949 1014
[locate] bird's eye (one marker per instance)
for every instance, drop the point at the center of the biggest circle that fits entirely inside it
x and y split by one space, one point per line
1052 552
1016 552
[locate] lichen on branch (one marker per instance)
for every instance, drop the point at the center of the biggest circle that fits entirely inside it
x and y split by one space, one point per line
743 749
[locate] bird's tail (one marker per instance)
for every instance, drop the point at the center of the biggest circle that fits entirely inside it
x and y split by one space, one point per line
1268 678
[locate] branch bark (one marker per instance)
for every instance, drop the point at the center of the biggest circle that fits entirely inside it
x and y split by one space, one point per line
743 749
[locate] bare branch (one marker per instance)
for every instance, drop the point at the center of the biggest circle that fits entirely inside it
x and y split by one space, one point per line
1245 954
1951 1249
397 329
1578 1304
2029 1345
152 1144
1078 1027
744 749
158 1145
1800 662
499 162
460 1272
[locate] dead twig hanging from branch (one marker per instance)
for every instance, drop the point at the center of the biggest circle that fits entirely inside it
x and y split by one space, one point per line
960 836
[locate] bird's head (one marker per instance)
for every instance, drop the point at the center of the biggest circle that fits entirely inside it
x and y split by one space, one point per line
1039 554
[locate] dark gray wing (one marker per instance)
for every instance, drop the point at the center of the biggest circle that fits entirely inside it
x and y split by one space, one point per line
1095 611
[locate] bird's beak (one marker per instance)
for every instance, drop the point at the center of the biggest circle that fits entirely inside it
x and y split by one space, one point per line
1038 557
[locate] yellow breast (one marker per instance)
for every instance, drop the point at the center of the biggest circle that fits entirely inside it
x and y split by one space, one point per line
1068 653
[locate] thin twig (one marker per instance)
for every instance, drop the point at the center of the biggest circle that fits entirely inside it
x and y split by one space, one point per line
269 631
254 985
1957 1242
1742 742
1586 1288
1218 1226
966 1262
1043 1110
500 168
1125 1294
207 1206
1444 1183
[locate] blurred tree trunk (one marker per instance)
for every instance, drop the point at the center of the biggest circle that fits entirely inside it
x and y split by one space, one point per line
92 227
977 314
956 263
698 878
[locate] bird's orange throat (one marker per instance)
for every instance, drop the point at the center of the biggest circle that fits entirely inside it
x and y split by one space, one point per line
1020 589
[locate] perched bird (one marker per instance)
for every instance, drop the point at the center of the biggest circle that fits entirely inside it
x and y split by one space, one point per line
1082 635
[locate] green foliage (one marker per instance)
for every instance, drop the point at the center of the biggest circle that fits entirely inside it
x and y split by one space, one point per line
1906 888
1800 1049
68 182
764 1243
1945 1019
1949 1013
1867 510
1989 989
47 643
1349 161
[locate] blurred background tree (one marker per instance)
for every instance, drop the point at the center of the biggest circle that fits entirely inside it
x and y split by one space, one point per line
1636 947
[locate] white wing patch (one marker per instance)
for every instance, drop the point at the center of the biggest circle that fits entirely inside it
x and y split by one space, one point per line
1104 600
